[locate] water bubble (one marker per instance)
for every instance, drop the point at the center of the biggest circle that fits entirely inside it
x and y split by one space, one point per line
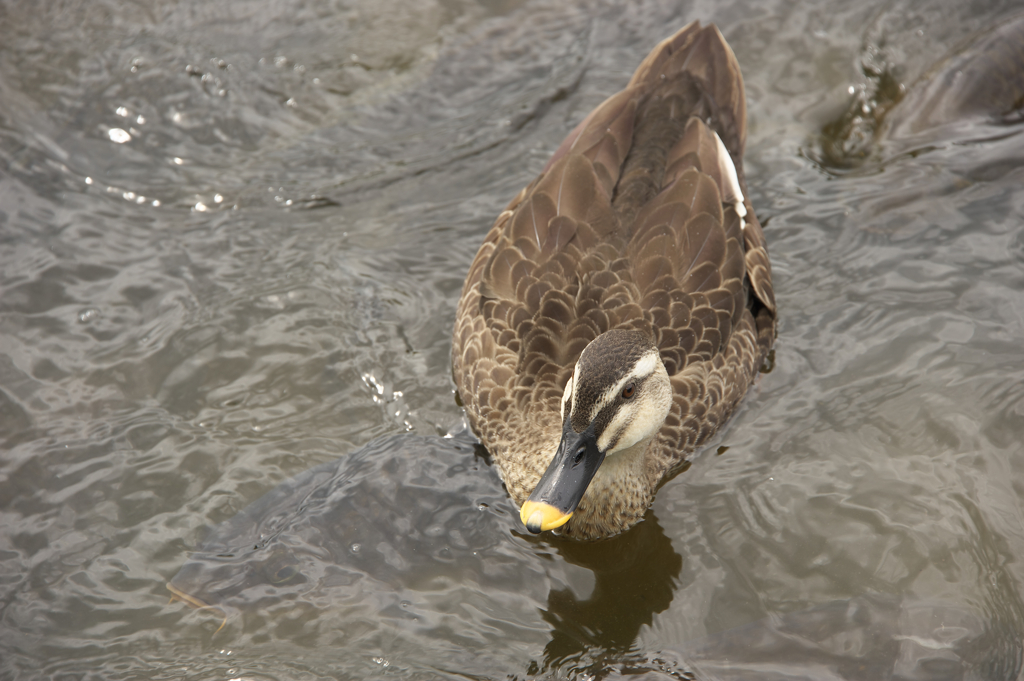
87 315
121 111
200 207
118 135
371 382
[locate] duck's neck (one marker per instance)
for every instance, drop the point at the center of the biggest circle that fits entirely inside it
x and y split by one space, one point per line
628 464
618 495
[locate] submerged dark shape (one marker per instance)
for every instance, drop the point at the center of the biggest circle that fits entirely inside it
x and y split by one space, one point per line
973 93
399 512
984 79
416 532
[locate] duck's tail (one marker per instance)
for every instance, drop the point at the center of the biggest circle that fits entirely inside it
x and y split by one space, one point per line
628 138
707 60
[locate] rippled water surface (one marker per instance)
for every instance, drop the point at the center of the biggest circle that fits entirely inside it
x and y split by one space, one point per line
232 238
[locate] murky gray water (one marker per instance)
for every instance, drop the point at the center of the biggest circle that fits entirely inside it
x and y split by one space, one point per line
232 237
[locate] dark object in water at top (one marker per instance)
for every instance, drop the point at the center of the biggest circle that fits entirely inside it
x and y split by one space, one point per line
985 80
973 93
622 304
400 512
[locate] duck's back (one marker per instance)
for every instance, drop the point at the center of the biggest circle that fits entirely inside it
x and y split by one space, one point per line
636 222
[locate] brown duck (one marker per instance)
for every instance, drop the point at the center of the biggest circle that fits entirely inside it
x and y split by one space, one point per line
622 304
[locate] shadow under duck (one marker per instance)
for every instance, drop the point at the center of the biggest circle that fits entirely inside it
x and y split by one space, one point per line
622 304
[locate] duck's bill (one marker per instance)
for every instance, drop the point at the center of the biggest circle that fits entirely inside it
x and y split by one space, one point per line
560 489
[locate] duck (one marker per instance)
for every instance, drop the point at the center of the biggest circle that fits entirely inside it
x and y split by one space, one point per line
621 305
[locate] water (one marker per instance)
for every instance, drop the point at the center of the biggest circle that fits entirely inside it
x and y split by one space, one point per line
232 239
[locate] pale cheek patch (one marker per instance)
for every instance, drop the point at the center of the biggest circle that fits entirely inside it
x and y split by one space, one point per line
629 426
640 418
645 366
618 431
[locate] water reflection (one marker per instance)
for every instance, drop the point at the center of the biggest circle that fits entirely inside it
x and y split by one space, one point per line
418 523
387 540
380 534
634 577
998 652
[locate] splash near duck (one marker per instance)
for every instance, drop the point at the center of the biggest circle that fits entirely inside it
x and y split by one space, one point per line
622 304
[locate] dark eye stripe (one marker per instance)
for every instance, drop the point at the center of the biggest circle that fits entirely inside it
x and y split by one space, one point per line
586 399
605 416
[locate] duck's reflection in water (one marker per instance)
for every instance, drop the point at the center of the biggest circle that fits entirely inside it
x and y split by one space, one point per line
634 578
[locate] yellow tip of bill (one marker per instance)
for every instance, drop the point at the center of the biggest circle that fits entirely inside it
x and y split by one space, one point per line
538 516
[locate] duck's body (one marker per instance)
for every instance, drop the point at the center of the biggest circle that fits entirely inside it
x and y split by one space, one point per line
640 222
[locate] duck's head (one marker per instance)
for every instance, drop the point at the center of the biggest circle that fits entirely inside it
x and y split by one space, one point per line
616 399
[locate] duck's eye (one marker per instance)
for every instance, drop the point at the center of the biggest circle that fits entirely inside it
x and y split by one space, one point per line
628 391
